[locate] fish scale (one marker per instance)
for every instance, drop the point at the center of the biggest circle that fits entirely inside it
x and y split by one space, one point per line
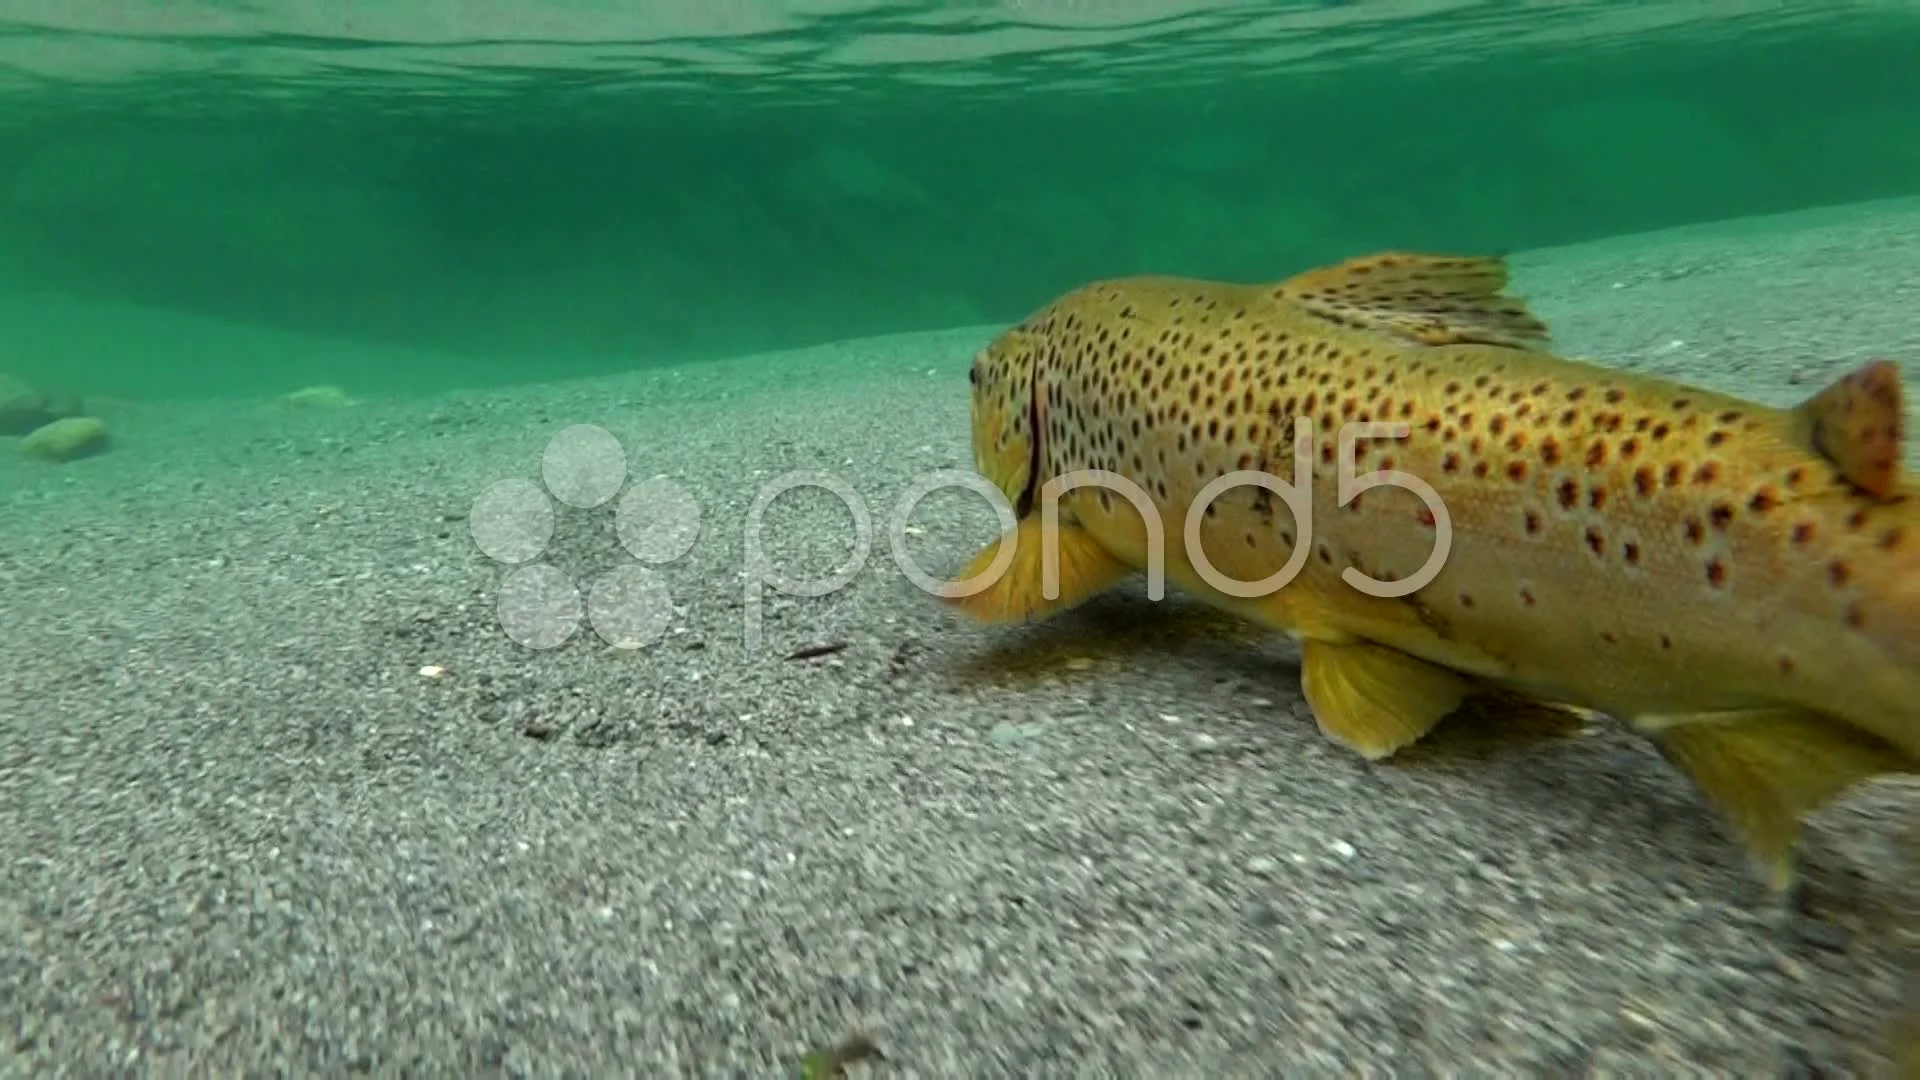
1739 582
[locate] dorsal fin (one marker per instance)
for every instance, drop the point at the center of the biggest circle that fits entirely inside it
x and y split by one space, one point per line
1856 423
1427 299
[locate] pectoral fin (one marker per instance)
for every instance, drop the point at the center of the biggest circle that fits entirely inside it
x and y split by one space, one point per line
1764 771
1373 699
1019 592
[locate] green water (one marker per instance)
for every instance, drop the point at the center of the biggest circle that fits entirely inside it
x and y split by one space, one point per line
242 198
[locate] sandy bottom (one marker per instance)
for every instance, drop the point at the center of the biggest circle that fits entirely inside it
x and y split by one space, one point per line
278 791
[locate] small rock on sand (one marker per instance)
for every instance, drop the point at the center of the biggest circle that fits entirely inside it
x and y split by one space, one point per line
66 439
23 409
318 397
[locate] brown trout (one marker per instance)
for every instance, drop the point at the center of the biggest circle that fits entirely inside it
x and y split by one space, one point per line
1738 583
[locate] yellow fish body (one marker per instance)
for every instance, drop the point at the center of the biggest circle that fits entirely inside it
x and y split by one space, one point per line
1738 582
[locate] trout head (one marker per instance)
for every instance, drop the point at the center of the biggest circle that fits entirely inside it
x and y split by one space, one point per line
1006 415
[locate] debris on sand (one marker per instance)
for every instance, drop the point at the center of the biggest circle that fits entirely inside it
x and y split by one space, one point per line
319 397
831 1063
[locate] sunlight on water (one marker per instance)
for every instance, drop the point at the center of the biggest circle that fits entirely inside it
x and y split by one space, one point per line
267 193
777 50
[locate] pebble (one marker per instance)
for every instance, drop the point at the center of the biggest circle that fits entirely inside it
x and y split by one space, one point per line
1008 734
